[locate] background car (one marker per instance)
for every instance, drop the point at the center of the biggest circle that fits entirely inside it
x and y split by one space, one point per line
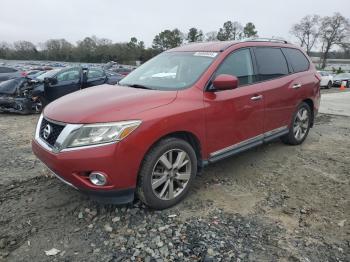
338 79
326 79
7 73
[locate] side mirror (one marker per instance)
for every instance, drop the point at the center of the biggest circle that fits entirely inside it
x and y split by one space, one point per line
50 80
225 82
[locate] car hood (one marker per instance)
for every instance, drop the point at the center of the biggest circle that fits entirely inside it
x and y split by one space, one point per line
10 87
106 103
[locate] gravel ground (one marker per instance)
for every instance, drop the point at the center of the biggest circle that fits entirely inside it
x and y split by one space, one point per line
272 203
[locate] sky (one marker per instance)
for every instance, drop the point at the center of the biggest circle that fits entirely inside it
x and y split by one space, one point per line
39 20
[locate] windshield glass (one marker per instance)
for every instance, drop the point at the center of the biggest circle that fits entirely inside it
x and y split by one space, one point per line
170 71
343 75
50 73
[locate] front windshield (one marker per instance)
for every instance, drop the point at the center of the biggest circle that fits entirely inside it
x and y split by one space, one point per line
343 75
50 73
170 70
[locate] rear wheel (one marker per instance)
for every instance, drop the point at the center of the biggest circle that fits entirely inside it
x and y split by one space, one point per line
300 126
167 173
329 85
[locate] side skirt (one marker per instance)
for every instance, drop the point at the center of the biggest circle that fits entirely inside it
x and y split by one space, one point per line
245 145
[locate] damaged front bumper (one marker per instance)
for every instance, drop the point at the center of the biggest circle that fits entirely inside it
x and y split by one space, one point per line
22 105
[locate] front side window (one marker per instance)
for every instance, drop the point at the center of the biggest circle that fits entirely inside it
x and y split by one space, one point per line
170 70
69 75
298 60
238 64
271 63
95 73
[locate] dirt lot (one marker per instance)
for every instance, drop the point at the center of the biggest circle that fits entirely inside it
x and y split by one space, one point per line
272 203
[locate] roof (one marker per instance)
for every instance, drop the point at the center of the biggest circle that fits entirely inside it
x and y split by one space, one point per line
205 46
219 46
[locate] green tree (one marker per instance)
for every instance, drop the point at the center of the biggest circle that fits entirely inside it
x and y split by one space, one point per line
249 30
167 39
194 35
230 31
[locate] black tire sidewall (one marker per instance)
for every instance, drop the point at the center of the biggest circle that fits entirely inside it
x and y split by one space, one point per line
147 168
329 85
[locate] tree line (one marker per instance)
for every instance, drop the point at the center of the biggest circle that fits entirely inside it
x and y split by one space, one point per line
311 31
327 32
100 50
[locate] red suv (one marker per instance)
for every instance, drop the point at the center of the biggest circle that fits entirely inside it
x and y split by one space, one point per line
184 109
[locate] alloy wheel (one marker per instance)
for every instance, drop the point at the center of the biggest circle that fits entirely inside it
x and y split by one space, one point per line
301 124
171 174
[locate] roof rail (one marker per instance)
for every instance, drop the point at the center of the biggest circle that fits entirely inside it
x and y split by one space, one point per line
276 40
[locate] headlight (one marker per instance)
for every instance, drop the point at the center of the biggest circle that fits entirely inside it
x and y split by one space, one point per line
93 134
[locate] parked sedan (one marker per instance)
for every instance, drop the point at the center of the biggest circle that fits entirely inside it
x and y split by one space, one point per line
49 86
7 73
326 79
338 79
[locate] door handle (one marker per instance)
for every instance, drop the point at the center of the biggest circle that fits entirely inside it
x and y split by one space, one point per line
256 97
296 86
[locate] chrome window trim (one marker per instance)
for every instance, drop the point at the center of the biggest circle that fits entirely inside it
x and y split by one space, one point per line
249 141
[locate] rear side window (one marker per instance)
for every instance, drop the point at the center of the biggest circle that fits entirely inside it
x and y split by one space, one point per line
7 70
239 64
297 59
271 63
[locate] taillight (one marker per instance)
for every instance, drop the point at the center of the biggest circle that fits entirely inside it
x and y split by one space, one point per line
24 74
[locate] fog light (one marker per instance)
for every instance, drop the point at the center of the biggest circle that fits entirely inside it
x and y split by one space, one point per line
98 179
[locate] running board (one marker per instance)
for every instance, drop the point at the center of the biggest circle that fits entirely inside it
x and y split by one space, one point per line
247 144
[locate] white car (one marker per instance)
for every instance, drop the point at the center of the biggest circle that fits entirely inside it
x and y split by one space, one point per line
326 79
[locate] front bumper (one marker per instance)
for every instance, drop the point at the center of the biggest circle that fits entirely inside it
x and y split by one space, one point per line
73 167
15 104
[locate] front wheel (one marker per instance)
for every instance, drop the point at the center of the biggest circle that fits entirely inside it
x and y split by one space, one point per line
38 104
329 85
300 126
167 173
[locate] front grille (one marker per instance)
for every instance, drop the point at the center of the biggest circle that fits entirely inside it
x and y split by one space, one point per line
54 131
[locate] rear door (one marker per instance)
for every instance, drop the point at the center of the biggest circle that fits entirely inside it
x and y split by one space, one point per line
95 76
276 81
68 81
234 117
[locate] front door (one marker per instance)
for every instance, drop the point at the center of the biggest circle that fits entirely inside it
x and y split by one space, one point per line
68 81
95 77
234 118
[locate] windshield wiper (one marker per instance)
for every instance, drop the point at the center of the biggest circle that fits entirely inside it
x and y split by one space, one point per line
139 86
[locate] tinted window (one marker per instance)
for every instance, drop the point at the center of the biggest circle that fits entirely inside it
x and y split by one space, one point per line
69 75
239 64
95 73
271 63
297 59
7 70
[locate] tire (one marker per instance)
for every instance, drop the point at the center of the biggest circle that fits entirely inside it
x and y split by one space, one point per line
39 104
329 85
299 122
160 170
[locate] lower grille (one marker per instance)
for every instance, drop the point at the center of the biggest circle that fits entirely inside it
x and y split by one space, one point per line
50 131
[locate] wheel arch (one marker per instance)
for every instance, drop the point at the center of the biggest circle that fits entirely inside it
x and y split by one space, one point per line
189 137
310 103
